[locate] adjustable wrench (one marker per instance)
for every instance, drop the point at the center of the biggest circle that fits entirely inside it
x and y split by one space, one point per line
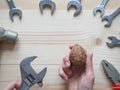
14 10
110 17
76 4
29 76
115 42
100 8
49 3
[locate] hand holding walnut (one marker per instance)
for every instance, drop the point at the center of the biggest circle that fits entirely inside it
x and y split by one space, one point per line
78 78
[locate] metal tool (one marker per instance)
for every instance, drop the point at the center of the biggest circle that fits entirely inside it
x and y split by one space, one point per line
13 10
76 4
110 17
115 42
112 74
7 35
29 76
100 8
49 3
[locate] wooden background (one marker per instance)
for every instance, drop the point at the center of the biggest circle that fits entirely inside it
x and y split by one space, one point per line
49 37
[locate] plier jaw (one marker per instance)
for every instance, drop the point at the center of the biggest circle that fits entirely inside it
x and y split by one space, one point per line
112 73
29 76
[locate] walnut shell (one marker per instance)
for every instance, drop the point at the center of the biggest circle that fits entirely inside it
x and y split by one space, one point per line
78 56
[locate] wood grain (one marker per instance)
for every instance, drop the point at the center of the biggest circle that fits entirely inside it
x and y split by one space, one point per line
49 37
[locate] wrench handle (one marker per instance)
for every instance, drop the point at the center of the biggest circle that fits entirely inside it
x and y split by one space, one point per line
103 3
23 86
115 13
11 4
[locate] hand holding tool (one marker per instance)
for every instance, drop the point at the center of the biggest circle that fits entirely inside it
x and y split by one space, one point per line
100 8
14 10
115 42
7 35
112 73
76 4
49 3
110 17
29 76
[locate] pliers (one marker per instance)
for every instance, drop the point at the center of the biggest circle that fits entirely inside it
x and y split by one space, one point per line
112 73
29 76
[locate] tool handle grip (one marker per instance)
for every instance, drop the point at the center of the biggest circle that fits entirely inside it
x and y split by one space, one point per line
23 86
116 86
11 4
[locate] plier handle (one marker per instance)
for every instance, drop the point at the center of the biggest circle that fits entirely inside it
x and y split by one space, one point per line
116 86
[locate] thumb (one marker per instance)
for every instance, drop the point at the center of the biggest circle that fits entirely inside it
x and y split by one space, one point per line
89 62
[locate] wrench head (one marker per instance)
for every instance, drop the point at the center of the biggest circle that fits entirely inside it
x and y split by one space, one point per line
15 11
109 19
113 43
77 5
98 9
26 67
28 75
49 3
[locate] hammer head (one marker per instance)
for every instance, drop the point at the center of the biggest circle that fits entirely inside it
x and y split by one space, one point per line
109 19
77 5
15 11
49 3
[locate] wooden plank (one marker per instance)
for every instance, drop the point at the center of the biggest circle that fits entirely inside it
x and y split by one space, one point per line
49 37
51 80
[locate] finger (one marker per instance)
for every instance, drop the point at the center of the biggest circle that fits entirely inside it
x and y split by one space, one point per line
89 63
62 74
67 65
13 85
71 46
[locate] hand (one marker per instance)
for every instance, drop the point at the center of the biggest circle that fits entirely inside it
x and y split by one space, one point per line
76 78
13 85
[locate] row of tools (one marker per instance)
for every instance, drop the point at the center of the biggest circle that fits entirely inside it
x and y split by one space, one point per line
74 3
28 75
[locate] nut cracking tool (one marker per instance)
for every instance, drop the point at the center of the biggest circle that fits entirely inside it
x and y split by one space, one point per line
13 10
100 8
110 17
29 76
7 35
115 42
76 4
49 3
112 74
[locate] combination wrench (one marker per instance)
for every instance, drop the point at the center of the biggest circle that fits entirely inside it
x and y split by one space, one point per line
14 10
110 17
100 8
76 4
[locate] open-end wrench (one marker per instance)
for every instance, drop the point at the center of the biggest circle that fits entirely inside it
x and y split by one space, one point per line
29 76
115 42
76 4
110 17
14 10
100 8
49 3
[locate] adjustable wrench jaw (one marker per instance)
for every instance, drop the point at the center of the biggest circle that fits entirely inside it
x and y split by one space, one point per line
49 3
29 76
77 5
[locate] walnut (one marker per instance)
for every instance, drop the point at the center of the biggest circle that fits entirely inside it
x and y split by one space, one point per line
78 56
